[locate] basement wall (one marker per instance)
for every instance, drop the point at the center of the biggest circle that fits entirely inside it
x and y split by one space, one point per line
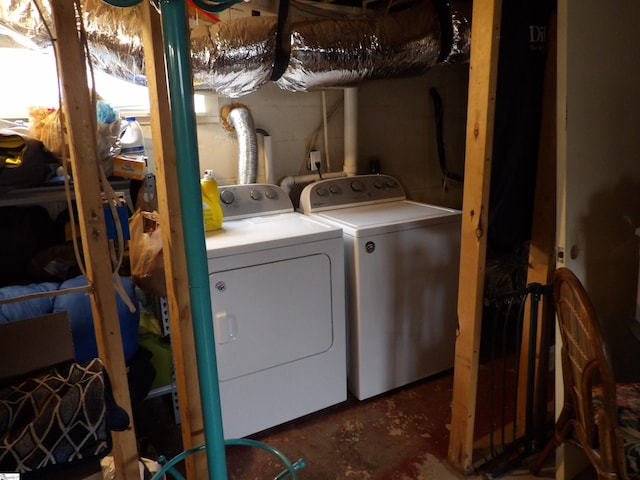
396 127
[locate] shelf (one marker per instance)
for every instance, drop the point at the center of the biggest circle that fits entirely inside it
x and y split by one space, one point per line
53 193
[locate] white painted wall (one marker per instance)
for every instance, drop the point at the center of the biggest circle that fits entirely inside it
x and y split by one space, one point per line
396 124
599 160
599 172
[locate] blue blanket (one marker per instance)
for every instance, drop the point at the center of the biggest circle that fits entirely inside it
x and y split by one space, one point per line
78 306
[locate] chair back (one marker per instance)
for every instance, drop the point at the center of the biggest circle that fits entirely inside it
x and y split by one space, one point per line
585 365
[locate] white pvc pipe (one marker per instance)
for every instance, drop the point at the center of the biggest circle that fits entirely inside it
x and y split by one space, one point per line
287 183
325 128
351 131
268 159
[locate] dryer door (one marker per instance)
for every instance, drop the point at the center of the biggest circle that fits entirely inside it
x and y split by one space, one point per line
270 314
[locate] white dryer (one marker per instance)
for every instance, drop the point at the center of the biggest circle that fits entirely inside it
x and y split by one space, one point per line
402 260
278 305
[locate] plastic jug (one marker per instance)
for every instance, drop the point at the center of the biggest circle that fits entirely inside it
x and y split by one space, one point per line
131 137
211 210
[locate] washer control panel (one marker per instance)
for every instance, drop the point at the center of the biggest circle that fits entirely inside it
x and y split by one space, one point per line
344 192
253 200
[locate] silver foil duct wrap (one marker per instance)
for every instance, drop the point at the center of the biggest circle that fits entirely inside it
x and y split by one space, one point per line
115 42
461 25
22 17
337 53
114 37
240 118
237 57
234 58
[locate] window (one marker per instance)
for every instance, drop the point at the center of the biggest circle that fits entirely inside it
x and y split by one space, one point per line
33 81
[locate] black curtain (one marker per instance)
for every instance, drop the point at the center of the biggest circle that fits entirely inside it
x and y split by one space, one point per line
523 45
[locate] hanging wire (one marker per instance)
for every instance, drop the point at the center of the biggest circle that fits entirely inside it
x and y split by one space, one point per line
123 3
215 7
117 248
313 137
65 152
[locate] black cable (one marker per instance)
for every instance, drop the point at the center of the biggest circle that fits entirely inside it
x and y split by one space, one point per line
282 51
446 29
438 110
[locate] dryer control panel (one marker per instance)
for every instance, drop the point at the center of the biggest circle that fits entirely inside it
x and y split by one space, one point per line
345 192
253 200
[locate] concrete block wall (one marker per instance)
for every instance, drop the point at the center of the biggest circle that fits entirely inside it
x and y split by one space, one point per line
396 127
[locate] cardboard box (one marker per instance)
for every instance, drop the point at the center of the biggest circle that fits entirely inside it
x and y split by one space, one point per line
34 344
129 166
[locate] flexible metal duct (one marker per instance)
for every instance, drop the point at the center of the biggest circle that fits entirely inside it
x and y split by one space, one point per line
332 52
113 34
237 57
234 58
237 117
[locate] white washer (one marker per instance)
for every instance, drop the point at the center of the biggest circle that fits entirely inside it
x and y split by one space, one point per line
402 262
278 305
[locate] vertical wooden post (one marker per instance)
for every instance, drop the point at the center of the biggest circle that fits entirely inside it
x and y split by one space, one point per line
173 249
80 120
483 67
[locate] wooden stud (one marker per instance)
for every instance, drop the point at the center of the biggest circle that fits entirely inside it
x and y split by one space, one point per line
80 120
483 66
173 249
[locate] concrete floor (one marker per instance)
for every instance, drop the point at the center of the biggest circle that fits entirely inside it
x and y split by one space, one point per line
400 435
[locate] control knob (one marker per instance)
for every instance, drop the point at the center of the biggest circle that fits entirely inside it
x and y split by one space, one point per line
227 197
357 186
255 194
321 192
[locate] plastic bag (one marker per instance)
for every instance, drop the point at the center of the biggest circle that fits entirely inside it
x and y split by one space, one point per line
147 468
145 253
45 125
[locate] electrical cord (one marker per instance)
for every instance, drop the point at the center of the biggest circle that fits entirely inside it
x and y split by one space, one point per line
214 7
117 249
438 110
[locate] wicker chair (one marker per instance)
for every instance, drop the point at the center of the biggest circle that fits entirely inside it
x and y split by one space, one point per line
599 415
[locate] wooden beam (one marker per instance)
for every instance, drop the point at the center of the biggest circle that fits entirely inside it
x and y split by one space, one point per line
80 119
483 67
182 340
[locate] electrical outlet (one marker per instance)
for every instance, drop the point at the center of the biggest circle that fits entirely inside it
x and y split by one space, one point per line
315 159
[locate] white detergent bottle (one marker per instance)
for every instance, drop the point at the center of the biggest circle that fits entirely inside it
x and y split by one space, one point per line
131 138
211 210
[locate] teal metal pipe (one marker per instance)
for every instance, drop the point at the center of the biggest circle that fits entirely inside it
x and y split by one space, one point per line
177 54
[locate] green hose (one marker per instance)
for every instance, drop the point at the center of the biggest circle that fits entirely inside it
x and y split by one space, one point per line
290 468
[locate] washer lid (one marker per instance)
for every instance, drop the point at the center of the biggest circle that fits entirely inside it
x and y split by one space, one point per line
388 217
267 231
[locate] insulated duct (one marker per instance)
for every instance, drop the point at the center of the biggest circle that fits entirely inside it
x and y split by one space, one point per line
113 34
237 57
237 118
338 53
233 58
